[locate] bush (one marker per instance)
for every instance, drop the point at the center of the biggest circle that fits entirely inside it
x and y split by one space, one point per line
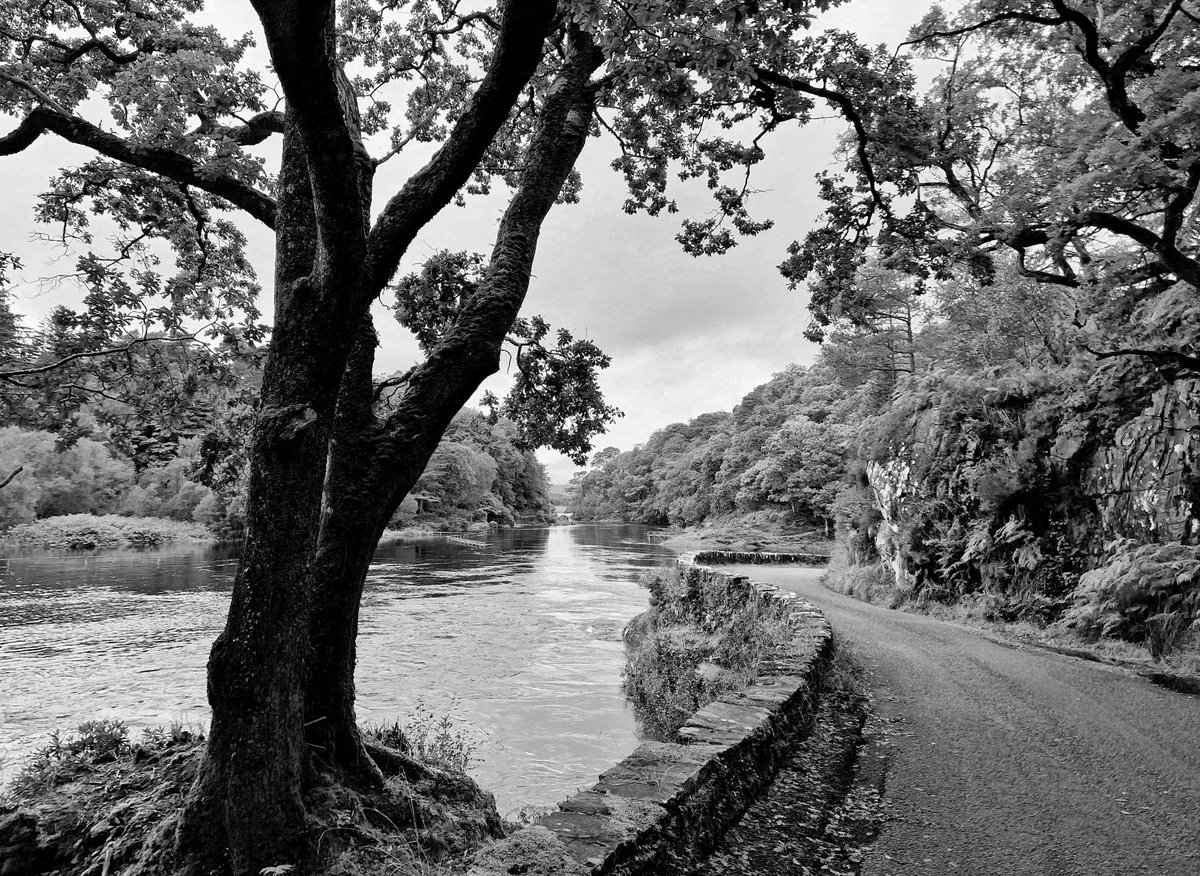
84 478
90 532
1148 594
695 644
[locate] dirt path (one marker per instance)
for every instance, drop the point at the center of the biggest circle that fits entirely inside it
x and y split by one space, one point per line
1012 761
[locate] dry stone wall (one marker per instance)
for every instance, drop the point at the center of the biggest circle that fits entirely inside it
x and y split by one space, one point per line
660 810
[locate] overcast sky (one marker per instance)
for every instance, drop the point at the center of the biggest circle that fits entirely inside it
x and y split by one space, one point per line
686 335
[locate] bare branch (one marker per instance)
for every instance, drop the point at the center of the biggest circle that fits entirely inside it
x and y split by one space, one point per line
8 480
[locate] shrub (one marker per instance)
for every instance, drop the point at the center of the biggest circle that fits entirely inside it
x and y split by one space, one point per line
1147 594
85 477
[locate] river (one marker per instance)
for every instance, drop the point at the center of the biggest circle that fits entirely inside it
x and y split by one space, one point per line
518 640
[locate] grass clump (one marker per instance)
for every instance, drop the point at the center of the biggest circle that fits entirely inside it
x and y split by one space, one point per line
92 532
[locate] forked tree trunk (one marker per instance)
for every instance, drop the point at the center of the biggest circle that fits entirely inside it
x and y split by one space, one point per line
245 811
373 464
246 801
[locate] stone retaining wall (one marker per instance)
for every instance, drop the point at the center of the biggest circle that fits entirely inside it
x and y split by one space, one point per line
660 810
717 558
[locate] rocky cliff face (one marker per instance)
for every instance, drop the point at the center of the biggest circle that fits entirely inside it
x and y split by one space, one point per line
1146 483
1007 491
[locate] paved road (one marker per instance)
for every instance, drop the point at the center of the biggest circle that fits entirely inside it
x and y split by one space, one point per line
1014 761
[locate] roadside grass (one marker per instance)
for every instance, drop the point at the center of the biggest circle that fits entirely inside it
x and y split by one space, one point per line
874 583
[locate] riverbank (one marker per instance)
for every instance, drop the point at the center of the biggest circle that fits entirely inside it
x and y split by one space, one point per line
441 526
98 801
99 531
759 531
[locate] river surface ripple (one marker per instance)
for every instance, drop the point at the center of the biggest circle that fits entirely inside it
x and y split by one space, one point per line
518 641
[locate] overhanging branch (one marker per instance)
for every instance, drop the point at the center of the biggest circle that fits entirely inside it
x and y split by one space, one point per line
156 159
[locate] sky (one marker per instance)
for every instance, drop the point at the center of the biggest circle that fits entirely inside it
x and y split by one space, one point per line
686 335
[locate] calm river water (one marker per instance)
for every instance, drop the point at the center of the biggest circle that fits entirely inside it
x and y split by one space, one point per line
518 641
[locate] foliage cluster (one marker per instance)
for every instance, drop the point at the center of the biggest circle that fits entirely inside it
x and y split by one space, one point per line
86 476
89 532
67 755
481 472
783 448
1145 593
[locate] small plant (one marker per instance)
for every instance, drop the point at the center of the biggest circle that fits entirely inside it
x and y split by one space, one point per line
176 733
528 813
432 739
65 757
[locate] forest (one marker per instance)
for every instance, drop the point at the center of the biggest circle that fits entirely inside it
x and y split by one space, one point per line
1004 408
1003 278
162 433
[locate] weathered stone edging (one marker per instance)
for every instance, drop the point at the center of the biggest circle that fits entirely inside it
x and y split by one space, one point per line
660 810
757 558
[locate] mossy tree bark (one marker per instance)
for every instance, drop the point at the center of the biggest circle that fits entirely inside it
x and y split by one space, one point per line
246 810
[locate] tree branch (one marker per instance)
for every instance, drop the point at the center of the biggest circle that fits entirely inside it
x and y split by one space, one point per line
156 159
8 480
8 375
1191 363
847 108
518 50
251 133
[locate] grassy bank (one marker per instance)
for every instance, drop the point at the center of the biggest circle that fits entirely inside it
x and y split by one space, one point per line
1178 666
92 532
100 801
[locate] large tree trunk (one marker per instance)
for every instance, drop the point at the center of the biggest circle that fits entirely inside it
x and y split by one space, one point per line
247 797
373 464
354 514
245 810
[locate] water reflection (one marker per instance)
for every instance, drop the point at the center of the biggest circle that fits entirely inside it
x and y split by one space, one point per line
517 638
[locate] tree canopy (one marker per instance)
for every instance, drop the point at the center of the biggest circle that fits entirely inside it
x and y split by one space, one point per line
1057 146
